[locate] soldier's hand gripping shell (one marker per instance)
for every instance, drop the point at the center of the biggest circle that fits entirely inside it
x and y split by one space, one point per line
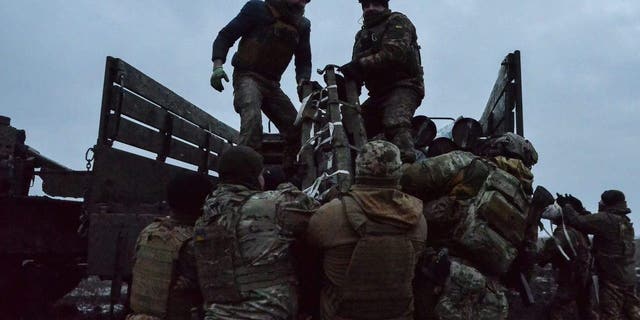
352 71
574 202
569 212
216 78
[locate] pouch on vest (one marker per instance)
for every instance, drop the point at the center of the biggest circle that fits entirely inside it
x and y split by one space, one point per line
370 42
502 216
267 50
378 282
154 269
215 250
489 251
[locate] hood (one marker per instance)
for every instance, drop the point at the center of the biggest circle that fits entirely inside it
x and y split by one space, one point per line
388 206
620 208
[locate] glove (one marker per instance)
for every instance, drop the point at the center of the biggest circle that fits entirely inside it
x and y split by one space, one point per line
569 212
300 89
352 71
575 202
561 200
216 78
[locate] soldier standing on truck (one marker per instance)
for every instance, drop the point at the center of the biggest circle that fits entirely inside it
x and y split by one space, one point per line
243 243
164 273
371 240
271 33
386 58
614 252
568 251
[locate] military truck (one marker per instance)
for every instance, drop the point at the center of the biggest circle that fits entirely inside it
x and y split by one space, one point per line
147 134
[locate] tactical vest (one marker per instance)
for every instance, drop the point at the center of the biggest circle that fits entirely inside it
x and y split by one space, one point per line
229 244
154 273
615 257
378 282
369 41
267 50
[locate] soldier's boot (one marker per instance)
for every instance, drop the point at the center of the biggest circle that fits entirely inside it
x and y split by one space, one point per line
402 138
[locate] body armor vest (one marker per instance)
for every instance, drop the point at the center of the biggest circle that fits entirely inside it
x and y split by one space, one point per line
378 283
154 272
369 41
267 50
615 257
240 249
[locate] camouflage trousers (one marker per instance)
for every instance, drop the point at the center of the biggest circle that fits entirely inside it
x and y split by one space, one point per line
616 302
391 114
470 295
141 317
252 95
278 302
569 300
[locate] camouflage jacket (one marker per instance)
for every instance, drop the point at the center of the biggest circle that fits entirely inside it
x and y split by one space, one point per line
389 55
613 243
263 226
267 45
576 270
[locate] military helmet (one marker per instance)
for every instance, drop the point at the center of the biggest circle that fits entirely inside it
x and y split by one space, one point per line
240 165
379 159
186 193
382 2
612 197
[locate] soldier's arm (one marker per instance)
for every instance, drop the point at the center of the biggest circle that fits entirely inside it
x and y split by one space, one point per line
396 45
303 54
238 27
591 224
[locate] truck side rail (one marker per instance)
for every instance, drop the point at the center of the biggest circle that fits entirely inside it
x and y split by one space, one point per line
503 112
129 92
128 187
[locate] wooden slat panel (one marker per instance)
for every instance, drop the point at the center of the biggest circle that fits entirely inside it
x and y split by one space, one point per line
130 133
496 94
133 134
146 112
143 85
123 177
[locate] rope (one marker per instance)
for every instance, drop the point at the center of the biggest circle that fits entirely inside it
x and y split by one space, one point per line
312 191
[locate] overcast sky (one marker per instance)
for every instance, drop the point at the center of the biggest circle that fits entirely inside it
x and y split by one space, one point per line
580 64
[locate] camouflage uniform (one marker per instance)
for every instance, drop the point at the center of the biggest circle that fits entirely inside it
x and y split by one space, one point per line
269 39
371 240
468 294
573 277
164 273
243 252
9 137
387 51
614 250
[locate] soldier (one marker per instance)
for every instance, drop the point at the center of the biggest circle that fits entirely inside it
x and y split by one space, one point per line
386 57
272 32
164 273
614 250
371 240
569 253
243 242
